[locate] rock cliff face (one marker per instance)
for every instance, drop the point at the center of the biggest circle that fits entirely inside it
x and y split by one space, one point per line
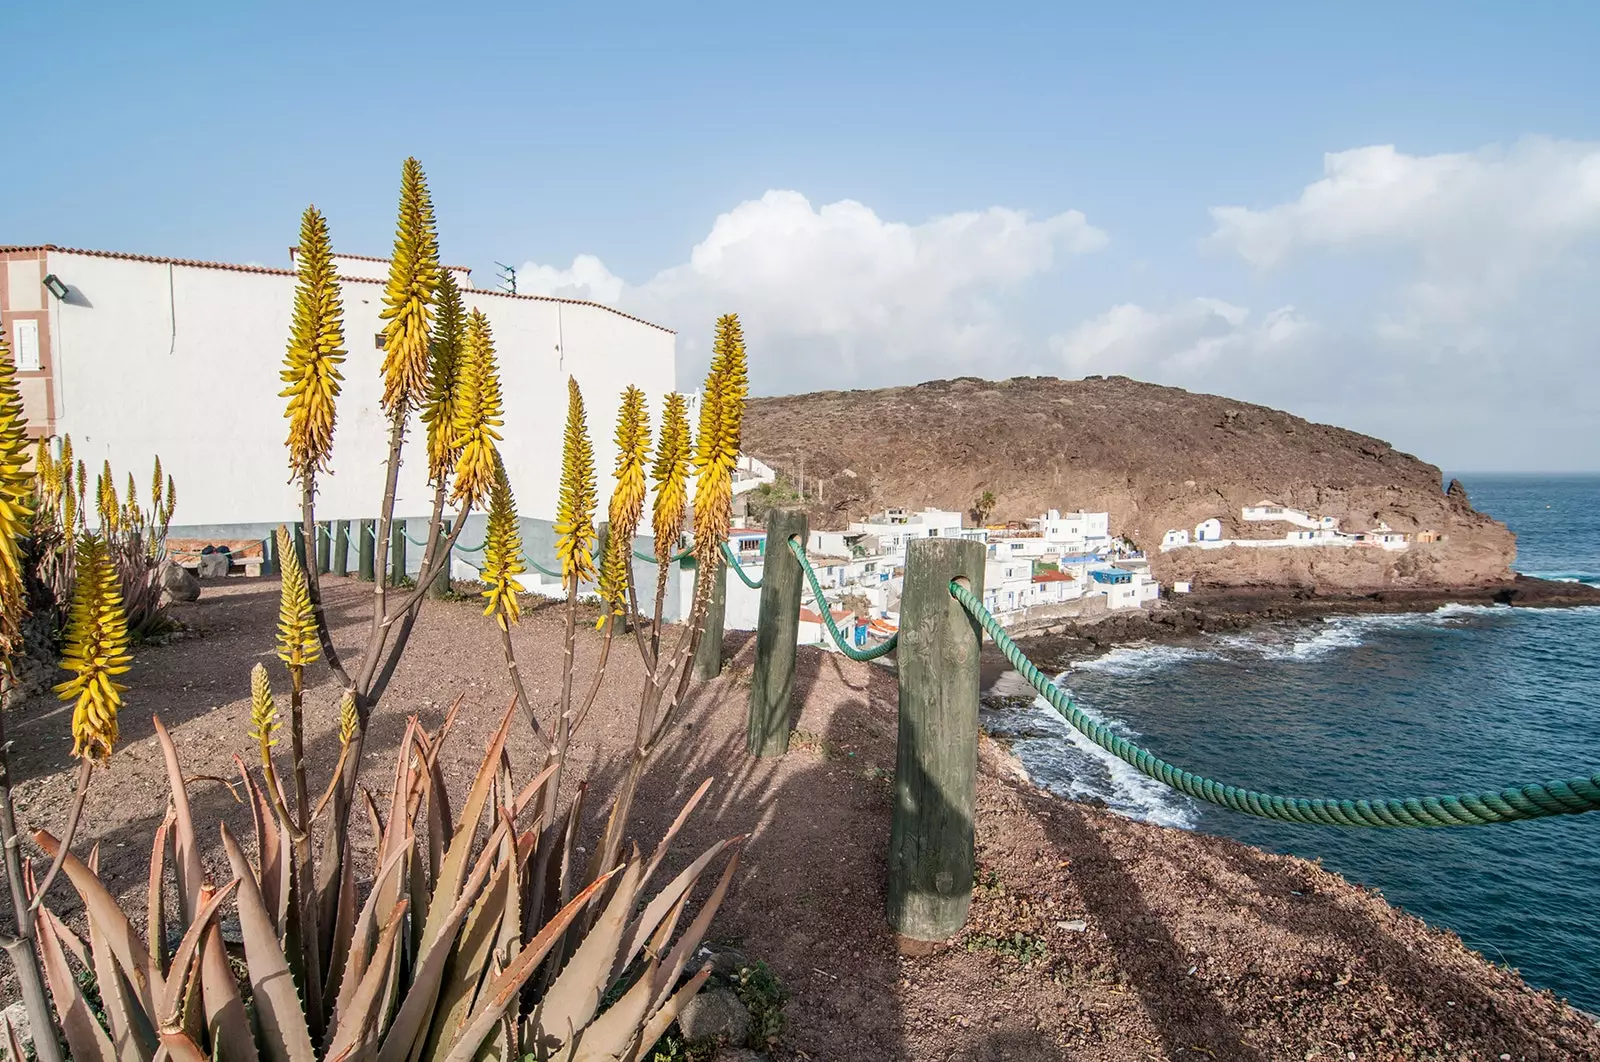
1154 457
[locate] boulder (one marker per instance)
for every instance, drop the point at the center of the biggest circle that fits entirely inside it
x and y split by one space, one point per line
715 1014
725 962
180 583
215 565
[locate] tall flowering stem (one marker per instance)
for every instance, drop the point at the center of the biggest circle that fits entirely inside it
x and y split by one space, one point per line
674 457
716 455
502 563
627 502
478 414
315 352
445 380
16 486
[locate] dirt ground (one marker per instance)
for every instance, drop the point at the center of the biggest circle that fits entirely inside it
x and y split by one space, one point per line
1091 937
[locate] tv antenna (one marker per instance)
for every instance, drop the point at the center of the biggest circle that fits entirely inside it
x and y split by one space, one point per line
506 279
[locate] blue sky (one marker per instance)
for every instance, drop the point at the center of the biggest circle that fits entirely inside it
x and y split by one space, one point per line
894 193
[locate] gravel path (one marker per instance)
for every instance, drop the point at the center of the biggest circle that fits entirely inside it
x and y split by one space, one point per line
1091 937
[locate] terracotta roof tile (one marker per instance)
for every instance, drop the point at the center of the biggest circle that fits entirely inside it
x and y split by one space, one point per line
270 271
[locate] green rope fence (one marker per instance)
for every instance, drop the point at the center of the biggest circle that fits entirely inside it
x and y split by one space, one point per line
733 563
1508 805
839 639
674 559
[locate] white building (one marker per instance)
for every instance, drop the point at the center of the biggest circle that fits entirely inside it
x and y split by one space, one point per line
1268 511
1173 539
1079 532
136 356
893 528
1007 585
813 631
1208 530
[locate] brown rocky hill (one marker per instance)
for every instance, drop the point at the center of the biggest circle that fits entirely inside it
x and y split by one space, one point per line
1154 457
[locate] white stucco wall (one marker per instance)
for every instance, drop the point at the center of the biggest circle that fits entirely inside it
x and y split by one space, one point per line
183 361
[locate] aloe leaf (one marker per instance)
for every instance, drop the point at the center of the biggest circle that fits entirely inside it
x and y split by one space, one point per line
88 1041
668 1012
124 943
227 1024
183 960
280 1021
156 903
132 1030
356 1021
663 901
506 988
576 993
185 850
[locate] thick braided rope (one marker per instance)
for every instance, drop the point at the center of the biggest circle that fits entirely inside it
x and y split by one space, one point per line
844 645
674 559
1508 805
733 562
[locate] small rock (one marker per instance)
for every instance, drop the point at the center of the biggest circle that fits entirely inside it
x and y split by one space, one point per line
738 1054
1073 925
180 583
215 565
715 1013
725 962
17 1015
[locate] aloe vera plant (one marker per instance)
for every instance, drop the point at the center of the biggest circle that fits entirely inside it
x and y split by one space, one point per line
469 943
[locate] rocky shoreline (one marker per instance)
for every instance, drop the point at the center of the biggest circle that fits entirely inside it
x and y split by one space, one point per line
1185 617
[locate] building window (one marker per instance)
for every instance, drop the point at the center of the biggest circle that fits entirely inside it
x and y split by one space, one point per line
27 350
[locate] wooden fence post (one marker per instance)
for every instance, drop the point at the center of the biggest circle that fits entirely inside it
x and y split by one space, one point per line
324 533
397 552
341 547
365 548
777 630
708 653
441 583
931 836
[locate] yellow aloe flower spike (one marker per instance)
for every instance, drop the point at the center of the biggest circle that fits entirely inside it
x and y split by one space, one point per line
16 484
97 650
444 379
69 500
477 414
155 487
347 717
264 721
46 473
671 474
315 351
576 505
721 424
297 626
627 499
502 552
172 502
413 276
107 499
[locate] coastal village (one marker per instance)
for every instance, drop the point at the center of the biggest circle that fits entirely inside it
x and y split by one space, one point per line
1302 529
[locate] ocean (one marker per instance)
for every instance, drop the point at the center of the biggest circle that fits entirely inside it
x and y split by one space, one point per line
1460 699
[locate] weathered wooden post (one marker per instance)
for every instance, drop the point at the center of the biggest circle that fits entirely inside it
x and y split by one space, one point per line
397 552
777 630
341 547
324 534
708 653
365 548
440 587
930 837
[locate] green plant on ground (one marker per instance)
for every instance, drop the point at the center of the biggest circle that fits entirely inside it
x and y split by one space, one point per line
764 998
1025 948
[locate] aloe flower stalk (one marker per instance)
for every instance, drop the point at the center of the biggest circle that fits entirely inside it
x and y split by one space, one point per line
408 298
478 414
97 652
315 351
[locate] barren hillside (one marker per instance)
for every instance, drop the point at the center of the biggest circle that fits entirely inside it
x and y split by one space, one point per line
1154 457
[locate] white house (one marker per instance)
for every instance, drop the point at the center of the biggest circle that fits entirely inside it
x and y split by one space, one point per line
1267 512
1021 545
813 631
136 355
1007 585
1174 539
1079 532
893 528
1208 530
1056 587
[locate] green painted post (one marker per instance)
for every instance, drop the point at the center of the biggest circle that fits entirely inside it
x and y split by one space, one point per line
364 551
440 587
324 544
269 551
341 547
299 540
777 630
930 837
708 653
397 552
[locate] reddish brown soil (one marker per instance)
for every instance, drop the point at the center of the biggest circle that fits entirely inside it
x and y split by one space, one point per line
1193 947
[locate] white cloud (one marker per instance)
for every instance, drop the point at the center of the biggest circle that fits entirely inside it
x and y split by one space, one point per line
872 301
1194 342
1476 225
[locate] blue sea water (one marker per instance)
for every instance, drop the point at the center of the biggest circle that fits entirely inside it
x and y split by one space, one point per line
1459 699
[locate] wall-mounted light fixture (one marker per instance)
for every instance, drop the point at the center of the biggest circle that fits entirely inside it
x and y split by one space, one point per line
56 287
